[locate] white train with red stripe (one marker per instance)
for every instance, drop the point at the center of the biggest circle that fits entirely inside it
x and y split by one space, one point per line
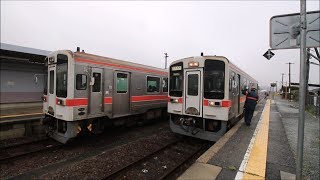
87 92
206 96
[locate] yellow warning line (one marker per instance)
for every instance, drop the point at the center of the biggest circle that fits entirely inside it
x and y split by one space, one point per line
256 167
19 115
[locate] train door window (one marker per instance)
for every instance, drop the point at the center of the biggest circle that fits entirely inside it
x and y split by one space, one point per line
122 83
237 84
164 84
51 82
81 82
231 81
97 82
193 84
153 84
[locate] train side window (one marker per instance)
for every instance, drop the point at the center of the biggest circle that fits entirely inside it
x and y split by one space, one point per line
51 83
122 83
81 82
153 84
164 84
97 82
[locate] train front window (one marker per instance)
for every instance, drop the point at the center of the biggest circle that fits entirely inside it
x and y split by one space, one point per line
214 79
176 80
62 76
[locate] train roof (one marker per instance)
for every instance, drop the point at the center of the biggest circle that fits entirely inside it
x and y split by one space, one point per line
93 57
223 58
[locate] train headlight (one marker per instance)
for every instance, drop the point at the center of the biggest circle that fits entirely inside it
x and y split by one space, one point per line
175 100
60 102
193 64
214 103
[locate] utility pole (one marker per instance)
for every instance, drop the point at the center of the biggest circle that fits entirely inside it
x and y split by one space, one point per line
302 87
276 86
165 63
282 74
289 79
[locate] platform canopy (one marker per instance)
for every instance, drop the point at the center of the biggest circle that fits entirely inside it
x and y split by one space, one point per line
23 54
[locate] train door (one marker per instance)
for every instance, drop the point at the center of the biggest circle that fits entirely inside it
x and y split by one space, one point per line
121 95
233 94
237 98
51 90
193 93
96 100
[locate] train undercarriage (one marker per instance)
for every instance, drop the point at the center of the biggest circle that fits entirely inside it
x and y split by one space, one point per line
65 131
208 129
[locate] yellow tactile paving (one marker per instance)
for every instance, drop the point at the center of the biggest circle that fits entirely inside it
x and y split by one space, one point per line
256 167
250 176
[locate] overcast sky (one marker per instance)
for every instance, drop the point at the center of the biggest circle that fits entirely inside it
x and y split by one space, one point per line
143 31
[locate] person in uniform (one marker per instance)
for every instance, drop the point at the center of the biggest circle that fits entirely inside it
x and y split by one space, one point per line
249 106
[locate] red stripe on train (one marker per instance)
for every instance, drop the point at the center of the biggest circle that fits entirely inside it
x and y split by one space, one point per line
76 102
224 103
108 100
120 66
206 102
81 101
148 98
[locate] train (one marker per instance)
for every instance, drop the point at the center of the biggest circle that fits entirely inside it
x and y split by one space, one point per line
206 96
87 92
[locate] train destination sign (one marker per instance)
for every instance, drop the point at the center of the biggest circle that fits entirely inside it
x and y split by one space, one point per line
285 30
176 68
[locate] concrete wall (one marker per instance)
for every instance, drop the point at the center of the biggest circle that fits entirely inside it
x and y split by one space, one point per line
17 82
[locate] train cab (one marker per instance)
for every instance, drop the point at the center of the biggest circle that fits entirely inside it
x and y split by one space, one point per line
205 96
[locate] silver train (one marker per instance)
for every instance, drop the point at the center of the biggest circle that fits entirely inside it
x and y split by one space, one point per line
88 92
206 96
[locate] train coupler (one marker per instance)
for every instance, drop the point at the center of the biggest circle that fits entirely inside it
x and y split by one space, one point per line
189 125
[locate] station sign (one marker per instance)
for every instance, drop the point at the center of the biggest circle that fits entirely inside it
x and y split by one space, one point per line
285 30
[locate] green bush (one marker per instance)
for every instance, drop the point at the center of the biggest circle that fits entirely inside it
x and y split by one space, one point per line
295 94
311 109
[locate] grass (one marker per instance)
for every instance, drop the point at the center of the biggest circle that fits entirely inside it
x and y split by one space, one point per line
232 168
311 109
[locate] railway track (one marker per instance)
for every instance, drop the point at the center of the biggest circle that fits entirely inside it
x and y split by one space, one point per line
25 149
164 162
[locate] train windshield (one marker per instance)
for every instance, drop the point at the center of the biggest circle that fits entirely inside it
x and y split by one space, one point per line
176 80
62 74
214 75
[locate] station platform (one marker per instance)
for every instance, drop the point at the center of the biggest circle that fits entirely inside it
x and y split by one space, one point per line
20 119
20 111
264 150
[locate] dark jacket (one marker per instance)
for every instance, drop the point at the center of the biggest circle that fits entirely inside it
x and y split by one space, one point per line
251 101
